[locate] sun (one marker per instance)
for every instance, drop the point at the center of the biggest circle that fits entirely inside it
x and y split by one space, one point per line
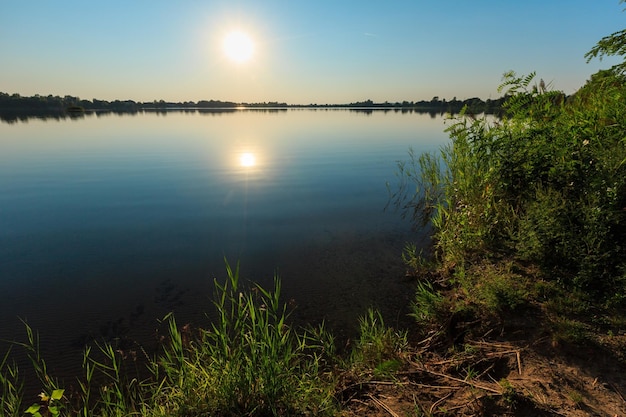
238 46
247 159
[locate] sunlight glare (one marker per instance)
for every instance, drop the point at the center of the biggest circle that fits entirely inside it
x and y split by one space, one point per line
247 160
238 46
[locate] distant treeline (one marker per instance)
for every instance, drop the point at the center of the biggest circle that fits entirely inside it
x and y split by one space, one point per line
13 106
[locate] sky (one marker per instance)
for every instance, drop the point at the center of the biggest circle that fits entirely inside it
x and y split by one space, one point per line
303 52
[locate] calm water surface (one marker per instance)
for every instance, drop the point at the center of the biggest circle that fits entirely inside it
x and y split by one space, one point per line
109 222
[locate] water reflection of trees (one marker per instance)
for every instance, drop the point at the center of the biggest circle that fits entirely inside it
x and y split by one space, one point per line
15 108
14 117
11 117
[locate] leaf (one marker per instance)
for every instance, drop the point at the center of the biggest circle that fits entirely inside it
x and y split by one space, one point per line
57 394
33 409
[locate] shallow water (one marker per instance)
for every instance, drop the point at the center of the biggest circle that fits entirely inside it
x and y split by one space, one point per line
109 222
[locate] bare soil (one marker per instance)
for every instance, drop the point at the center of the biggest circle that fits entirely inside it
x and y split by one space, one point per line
514 368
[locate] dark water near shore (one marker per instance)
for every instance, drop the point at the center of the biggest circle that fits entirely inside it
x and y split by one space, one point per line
109 222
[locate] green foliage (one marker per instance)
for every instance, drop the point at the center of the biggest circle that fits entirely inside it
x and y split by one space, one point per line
49 406
611 45
454 190
508 392
249 363
496 287
546 184
416 261
428 305
11 388
378 347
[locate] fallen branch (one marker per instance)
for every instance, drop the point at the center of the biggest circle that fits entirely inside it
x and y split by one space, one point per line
506 352
458 407
360 383
499 345
383 406
439 401
417 384
457 379
495 391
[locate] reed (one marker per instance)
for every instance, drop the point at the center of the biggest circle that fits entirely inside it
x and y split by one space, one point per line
249 361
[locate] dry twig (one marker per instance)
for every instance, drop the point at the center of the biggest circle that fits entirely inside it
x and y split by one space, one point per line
439 401
383 406
457 379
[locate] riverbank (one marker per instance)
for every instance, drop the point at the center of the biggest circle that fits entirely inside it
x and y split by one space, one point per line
523 303
537 357
518 309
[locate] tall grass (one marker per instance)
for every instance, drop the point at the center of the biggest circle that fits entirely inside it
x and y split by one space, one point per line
250 361
454 190
11 388
378 348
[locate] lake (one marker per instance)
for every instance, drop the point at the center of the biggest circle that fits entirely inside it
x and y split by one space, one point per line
108 222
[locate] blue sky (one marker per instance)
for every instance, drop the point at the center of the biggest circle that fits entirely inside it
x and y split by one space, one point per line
323 51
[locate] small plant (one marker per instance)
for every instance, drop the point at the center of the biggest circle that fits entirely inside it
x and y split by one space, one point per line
387 368
49 406
470 373
415 260
428 305
576 397
495 287
378 346
508 391
419 410
11 388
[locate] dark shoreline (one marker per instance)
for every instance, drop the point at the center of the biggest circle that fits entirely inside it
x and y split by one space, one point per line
11 117
15 107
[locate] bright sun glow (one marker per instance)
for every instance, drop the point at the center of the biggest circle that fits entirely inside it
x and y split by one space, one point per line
238 46
247 159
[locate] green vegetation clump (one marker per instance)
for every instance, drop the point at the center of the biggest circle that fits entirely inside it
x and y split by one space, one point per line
378 349
249 362
544 184
527 210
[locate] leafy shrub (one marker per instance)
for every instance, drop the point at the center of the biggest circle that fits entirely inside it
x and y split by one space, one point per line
546 183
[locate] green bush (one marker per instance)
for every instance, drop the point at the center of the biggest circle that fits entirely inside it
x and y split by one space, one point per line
545 183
